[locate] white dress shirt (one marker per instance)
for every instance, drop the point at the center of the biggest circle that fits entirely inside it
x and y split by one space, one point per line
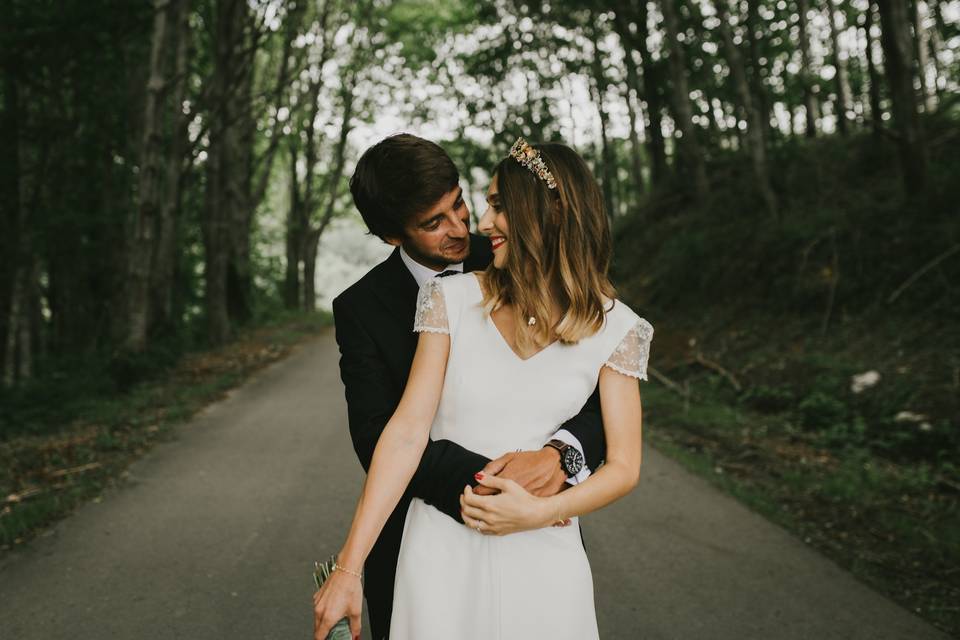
423 273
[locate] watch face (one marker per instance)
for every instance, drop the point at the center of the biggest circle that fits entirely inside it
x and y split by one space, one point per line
572 461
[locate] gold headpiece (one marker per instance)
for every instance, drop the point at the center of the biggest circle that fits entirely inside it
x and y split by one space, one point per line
530 158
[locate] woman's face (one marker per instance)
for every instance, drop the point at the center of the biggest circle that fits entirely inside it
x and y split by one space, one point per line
493 224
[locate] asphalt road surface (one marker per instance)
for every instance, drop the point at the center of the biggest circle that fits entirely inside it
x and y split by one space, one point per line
214 536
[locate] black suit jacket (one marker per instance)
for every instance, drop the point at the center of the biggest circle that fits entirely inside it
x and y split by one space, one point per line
374 329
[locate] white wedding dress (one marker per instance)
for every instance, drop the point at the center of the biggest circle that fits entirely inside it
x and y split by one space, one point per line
454 583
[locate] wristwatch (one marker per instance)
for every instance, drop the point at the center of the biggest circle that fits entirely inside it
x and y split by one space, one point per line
571 460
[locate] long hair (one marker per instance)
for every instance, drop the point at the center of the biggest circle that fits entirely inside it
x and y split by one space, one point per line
558 253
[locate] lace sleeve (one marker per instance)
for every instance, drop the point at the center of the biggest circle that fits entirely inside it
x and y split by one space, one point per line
431 309
631 355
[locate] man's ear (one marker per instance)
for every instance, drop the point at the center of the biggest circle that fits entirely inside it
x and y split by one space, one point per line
394 242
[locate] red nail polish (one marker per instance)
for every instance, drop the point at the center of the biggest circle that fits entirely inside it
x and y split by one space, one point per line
478 475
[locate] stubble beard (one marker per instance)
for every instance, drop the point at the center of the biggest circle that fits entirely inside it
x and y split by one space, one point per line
437 260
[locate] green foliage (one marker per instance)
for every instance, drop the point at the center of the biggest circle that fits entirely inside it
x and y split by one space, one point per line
419 25
768 399
819 410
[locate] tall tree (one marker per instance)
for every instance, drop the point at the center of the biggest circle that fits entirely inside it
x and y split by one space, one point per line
921 48
754 134
758 70
876 123
598 88
898 62
841 76
177 165
937 44
227 159
144 226
690 155
11 298
631 24
632 96
810 101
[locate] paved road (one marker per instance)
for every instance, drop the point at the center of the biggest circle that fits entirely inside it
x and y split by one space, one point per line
214 535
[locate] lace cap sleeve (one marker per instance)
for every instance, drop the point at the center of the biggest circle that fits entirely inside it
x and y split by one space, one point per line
431 309
631 355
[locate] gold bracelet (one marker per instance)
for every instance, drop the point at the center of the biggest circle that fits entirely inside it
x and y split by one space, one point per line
339 567
559 519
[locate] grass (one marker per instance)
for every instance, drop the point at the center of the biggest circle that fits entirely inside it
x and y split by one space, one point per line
56 456
890 524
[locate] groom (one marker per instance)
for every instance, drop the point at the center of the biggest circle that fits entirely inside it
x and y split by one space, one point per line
407 191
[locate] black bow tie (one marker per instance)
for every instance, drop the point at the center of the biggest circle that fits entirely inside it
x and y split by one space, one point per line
448 272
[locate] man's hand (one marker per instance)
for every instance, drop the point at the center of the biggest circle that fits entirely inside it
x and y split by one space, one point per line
538 472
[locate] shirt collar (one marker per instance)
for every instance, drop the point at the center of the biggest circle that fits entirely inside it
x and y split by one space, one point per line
421 273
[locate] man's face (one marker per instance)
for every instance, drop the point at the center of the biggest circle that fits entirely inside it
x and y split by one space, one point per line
439 235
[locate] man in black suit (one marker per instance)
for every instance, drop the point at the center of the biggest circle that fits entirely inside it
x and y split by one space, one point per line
407 192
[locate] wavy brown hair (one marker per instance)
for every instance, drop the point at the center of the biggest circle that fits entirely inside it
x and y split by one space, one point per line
558 253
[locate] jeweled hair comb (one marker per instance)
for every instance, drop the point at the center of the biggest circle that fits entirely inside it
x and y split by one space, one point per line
530 158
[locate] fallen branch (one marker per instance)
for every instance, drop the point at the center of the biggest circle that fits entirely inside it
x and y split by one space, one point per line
14 498
924 269
709 364
65 472
948 484
667 382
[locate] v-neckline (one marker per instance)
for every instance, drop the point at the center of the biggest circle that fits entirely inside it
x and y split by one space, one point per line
502 339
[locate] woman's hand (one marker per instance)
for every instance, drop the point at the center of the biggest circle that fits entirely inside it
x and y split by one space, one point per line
341 596
513 509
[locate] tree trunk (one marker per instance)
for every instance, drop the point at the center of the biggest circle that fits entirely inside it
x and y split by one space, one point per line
898 56
937 44
841 77
754 135
14 318
648 87
809 97
633 100
144 226
633 94
29 302
10 206
225 162
239 273
294 239
716 127
164 267
761 97
599 86
689 151
311 242
921 47
876 122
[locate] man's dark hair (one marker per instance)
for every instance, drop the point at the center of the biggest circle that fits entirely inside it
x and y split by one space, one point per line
397 178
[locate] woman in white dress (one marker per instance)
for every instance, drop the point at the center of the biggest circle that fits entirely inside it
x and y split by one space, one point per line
503 357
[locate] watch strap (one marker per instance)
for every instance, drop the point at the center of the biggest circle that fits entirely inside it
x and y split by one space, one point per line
561 448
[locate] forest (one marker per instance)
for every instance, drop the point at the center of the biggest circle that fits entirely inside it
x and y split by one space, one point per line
780 176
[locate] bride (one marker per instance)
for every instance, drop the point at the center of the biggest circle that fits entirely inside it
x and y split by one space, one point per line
503 357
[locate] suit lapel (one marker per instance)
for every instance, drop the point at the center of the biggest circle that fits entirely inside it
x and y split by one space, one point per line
397 289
